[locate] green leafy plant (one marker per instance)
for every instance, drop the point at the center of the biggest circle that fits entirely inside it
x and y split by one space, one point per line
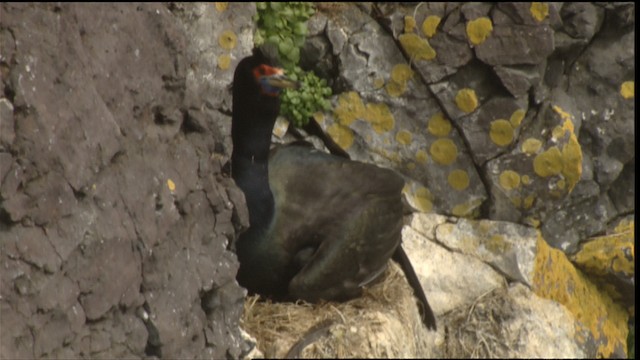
285 25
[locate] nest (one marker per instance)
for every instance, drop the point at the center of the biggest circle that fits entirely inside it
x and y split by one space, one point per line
383 322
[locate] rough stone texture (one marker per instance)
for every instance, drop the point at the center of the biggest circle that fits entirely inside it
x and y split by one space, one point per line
115 218
114 125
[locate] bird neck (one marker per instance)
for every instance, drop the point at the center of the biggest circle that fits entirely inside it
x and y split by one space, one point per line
249 167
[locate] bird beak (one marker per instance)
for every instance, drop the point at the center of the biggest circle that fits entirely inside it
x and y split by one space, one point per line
281 81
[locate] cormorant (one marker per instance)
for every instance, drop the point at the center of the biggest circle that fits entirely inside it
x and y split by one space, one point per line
321 226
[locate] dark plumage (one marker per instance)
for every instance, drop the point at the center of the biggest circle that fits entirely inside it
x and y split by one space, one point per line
321 226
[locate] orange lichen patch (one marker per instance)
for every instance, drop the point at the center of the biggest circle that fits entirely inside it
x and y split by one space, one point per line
438 125
349 108
422 157
409 24
458 179
221 6
416 47
509 180
403 137
430 25
342 135
548 163
557 279
531 146
627 89
444 151
224 61
469 209
228 40
501 132
171 185
516 118
528 201
478 30
467 100
539 10
379 116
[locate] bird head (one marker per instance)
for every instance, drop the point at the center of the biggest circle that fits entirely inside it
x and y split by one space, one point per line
272 80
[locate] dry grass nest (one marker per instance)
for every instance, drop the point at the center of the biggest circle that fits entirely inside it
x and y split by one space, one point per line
383 322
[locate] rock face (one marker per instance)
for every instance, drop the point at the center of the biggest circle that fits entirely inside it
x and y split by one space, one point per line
115 217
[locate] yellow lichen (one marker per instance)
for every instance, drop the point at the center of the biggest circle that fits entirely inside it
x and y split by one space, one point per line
221 6
526 179
409 24
411 166
395 89
539 10
403 137
516 118
531 146
430 25
548 163
516 200
557 279
228 40
501 132
423 199
416 47
458 179
342 135
224 61
401 73
572 161
509 180
467 100
349 108
379 116
443 151
528 201
318 116
478 30
497 244
422 157
171 185
468 209
438 125
378 83
627 89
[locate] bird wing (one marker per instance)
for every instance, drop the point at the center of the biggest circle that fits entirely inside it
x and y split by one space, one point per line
348 219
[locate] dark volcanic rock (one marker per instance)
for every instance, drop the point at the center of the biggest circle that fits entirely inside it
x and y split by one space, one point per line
115 219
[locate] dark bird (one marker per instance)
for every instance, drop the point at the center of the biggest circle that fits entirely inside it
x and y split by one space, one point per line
321 226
